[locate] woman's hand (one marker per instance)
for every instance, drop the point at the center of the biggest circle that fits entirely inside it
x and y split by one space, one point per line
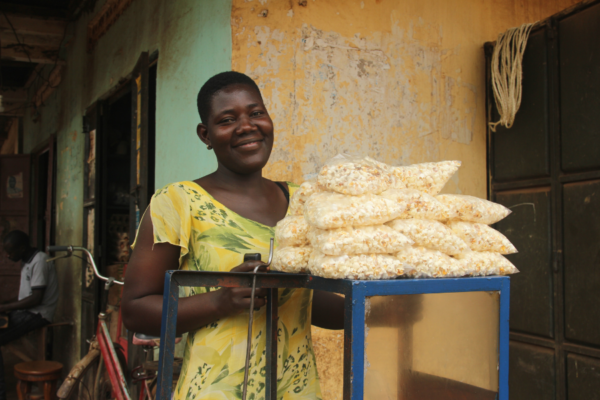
141 304
232 301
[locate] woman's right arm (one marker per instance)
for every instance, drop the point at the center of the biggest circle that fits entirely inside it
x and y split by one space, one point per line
141 305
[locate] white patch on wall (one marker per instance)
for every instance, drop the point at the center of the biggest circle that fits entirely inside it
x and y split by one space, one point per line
385 96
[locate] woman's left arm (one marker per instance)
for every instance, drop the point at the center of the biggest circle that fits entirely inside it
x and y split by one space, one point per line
327 310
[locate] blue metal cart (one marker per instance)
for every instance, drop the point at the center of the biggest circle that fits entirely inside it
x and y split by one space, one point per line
471 356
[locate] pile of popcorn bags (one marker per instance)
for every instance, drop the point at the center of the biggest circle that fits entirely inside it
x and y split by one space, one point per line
363 219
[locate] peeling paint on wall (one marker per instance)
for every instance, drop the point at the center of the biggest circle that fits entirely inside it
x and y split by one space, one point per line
184 32
400 81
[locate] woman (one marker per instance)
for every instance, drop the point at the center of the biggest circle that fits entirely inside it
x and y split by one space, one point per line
209 224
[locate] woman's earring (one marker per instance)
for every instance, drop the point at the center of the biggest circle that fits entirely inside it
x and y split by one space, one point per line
209 147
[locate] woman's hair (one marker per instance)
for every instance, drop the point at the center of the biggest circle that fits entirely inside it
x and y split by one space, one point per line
218 83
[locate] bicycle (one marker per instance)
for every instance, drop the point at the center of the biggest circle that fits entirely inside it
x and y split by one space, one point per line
146 374
103 354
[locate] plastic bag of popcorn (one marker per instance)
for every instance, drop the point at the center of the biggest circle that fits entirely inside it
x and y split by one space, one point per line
354 176
481 237
431 234
291 231
426 177
378 239
300 196
420 262
486 263
360 267
327 210
291 259
473 209
418 204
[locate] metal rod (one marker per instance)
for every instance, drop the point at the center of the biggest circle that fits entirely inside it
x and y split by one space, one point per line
270 253
271 362
249 340
251 320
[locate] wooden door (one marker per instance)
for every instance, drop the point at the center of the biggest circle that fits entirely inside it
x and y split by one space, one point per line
91 217
546 168
143 84
139 143
14 214
44 211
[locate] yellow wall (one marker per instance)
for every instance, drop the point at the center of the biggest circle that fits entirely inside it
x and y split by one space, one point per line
402 81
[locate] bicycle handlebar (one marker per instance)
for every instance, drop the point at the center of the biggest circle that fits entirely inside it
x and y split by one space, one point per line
71 249
52 249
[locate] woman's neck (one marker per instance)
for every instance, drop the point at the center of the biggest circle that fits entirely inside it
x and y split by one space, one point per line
226 179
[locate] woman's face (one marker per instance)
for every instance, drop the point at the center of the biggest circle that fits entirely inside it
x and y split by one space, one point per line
239 129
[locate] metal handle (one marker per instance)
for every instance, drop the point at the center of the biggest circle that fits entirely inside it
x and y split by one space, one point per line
52 249
71 249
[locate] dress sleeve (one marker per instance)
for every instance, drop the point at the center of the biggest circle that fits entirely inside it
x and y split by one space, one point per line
171 218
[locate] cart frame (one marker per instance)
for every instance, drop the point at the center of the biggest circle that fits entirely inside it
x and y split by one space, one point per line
355 293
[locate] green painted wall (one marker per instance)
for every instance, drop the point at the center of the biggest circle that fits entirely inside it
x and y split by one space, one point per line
193 38
198 48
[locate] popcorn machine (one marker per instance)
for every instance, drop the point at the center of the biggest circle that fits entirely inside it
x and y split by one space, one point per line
403 338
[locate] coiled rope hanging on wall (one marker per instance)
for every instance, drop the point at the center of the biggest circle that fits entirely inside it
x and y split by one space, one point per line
507 73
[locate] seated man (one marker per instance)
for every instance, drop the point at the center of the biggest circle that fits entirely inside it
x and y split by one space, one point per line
38 293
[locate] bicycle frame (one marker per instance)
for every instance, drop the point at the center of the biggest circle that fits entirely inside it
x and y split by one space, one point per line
111 361
105 343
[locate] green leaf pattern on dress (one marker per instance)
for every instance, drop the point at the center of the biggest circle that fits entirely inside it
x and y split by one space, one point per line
213 364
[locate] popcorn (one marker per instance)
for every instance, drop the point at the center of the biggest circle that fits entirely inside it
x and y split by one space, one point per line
363 266
300 196
355 176
291 259
418 204
334 227
473 209
420 262
328 210
481 237
291 231
426 177
431 234
486 263
358 240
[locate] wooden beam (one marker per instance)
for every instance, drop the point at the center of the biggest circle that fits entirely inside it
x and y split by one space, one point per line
7 37
34 74
48 86
33 54
14 96
36 26
102 21
29 10
14 110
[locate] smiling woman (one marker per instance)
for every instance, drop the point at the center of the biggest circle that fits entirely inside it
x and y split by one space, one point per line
209 224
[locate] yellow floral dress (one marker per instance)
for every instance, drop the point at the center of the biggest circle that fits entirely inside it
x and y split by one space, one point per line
214 238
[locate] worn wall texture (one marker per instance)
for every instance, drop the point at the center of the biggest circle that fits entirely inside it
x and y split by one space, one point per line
401 81
193 39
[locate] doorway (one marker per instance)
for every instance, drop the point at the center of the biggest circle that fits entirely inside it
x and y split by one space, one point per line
546 168
118 182
43 219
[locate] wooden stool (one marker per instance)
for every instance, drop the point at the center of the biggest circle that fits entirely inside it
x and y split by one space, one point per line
48 372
